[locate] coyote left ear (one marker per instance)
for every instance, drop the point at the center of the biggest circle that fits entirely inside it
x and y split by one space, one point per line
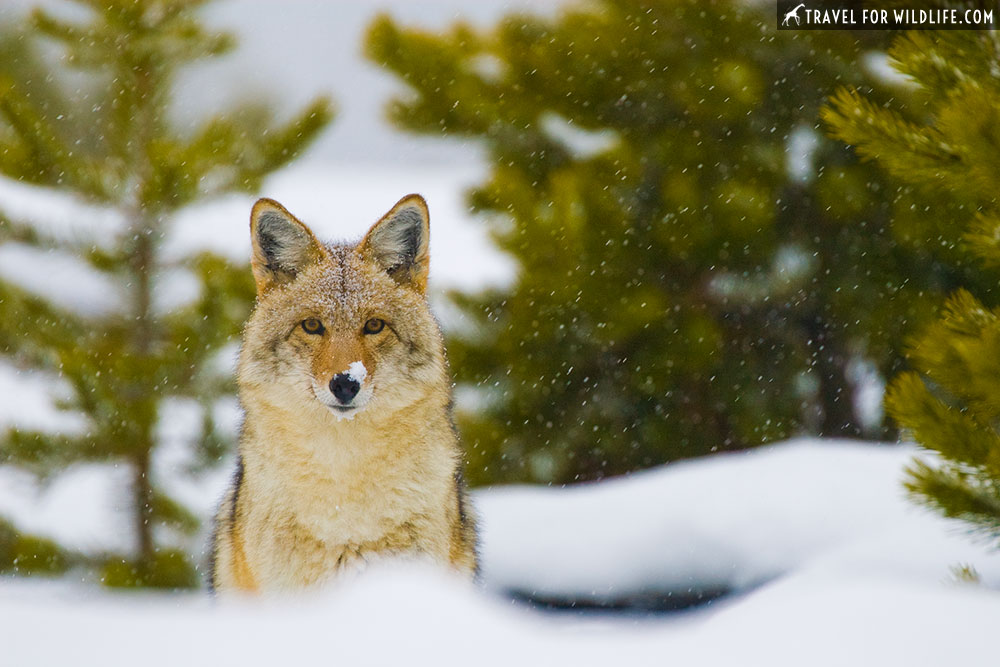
282 245
399 242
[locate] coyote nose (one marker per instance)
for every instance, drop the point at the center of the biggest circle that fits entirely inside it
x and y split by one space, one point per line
344 387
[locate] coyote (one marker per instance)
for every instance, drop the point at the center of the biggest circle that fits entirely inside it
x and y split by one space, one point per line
347 451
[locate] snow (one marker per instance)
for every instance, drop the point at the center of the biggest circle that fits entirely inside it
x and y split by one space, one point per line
66 281
581 143
800 154
175 288
414 615
180 425
880 66
31 401
357 371
730 522
81 507
816 621
60 215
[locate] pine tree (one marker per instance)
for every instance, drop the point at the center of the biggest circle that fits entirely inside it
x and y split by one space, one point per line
104 136
949 146
700 269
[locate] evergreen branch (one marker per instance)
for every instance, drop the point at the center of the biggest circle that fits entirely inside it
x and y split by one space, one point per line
34 330
983 238
25 554
940 61
954 434
911 152
12 230
171 513
45 453
85 47
212 446
220 158
178 40
434 68
957 495
57 29
281 145
40 146
29 233
961 353
46 160
970 117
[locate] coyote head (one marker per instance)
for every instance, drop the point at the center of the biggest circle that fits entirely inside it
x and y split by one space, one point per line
341 327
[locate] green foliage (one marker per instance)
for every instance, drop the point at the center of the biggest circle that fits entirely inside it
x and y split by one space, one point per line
27 554
168 568
951 404
96 127
691 279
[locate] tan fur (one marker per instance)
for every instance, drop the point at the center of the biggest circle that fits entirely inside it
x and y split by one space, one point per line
318 493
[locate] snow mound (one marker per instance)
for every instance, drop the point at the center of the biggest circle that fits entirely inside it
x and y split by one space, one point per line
731 522
413 615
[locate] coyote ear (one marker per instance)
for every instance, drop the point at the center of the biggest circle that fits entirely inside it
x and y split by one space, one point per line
282 245
398 242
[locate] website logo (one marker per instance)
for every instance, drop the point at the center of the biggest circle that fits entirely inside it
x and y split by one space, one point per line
794 14
848 15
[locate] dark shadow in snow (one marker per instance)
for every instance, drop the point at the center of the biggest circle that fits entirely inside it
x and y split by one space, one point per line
642 603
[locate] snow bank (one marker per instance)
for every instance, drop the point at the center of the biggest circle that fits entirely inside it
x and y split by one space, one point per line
415 616
724 523
399 616
818 621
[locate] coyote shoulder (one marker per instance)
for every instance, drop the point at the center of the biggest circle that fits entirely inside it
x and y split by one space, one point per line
347 451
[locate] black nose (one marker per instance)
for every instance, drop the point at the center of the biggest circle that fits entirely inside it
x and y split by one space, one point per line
344 387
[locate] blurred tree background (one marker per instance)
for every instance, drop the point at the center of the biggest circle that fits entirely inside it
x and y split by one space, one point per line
95 124
700 268
948 145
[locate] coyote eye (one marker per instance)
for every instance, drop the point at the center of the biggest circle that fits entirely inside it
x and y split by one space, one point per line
374 325
312 326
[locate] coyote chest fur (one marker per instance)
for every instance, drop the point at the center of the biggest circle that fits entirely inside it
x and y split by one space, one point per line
347 451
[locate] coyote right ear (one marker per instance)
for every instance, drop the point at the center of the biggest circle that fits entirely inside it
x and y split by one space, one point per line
282 246
398 242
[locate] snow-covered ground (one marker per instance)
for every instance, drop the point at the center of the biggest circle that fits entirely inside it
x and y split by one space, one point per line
829 563
414 616
727 523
